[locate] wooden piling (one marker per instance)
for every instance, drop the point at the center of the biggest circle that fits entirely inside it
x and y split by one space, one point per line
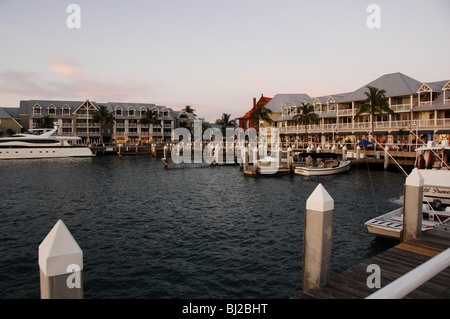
317 239
61 265
413 198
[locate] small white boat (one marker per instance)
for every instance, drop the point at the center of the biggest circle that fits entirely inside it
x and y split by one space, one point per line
318 164
41 143
390 225
435 209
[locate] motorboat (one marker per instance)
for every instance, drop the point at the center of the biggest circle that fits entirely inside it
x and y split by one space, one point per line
435 209
41 143
390 225
318 164
435 159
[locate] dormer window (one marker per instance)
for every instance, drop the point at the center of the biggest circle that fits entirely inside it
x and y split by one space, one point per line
118 111
51 110
66 110
131 111
37 109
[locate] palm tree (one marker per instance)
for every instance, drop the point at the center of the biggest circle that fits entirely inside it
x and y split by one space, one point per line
103 117
189 109
45 122
260 113
150 117
376 103
225 121
306 117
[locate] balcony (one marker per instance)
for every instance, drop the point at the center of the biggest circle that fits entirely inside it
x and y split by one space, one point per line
347 112
401 107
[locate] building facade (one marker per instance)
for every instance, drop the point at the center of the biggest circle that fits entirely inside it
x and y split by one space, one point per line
420 108
246 121
75 118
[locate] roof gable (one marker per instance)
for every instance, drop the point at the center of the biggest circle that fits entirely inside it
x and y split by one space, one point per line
395 84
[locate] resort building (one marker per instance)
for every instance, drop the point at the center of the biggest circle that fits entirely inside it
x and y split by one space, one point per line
246 121
74 118
420 108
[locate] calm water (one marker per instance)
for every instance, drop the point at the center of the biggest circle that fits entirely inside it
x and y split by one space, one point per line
192 231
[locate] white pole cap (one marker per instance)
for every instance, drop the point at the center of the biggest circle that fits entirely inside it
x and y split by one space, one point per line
58 250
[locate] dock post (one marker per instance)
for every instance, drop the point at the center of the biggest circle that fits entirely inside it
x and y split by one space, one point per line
165 159
344 153
245 166
333 148
279 156
255 161
317 239
289 159
60 265
358 152
412 206
386 157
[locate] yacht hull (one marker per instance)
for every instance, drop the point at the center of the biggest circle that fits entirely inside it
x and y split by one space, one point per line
45 152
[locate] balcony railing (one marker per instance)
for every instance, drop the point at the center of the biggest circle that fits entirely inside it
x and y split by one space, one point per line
348 112
401 107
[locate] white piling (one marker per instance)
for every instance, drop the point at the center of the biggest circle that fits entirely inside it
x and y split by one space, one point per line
255 160
245 151
412 214
386 157
358 152
344 153
61 265
317 239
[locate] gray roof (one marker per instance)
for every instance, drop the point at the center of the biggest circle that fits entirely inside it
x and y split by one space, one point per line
437 86
395 84
438 104
278 100
4 114
9 112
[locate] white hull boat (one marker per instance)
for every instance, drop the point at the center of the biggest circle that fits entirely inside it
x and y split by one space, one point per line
41 143
390 225
331 167
318 164
435 210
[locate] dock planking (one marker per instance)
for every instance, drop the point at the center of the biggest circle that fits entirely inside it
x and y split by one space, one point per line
394 263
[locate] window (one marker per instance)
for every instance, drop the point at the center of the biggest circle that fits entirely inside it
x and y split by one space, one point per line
66 110
37 109
118 111
131 111
51 110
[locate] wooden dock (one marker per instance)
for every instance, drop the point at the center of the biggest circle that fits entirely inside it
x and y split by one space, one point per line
394 263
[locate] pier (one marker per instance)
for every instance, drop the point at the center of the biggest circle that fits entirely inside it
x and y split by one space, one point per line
418 267
394 263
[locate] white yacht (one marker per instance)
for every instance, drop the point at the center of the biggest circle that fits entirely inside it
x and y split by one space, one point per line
40 143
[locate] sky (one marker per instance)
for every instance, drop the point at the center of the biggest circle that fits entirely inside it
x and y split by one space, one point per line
214 55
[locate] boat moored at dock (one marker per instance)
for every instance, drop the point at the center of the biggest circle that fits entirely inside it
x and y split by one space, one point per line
318 164
41 143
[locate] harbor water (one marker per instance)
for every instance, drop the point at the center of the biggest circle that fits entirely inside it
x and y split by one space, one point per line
189 231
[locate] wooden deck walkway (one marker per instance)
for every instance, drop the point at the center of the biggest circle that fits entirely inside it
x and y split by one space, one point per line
394 263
